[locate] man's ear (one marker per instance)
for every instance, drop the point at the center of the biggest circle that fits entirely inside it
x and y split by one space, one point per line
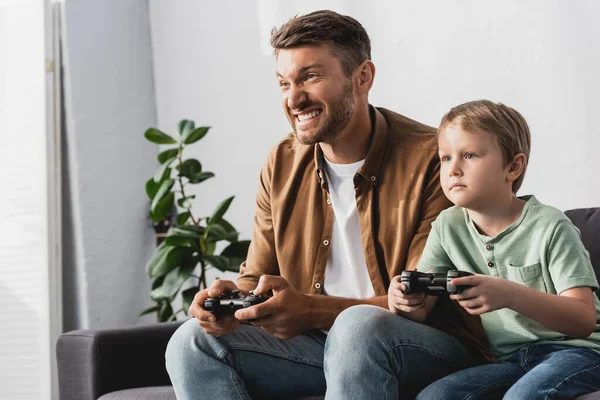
516 167
364 76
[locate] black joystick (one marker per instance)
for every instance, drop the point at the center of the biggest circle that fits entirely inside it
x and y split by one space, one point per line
456 274
228 303
432 284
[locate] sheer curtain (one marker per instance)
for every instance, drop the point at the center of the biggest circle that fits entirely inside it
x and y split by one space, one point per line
29 239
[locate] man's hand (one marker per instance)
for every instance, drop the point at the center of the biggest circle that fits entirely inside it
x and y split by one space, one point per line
284 315
207 320
489 293
398 301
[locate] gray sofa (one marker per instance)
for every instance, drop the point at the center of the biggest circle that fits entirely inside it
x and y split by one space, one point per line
129 363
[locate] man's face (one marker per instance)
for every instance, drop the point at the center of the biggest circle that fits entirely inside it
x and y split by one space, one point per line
317 97
472 172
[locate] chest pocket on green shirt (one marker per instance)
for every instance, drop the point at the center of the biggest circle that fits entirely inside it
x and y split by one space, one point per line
529 275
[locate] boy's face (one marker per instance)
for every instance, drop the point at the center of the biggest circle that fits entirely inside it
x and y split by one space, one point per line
472 173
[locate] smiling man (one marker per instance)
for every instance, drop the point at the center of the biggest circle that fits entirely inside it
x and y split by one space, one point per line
345 202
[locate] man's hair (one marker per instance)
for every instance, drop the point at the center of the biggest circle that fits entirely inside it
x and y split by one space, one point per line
346 37
506 124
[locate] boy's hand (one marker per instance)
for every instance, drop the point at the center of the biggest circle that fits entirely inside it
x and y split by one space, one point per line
488 293
398 301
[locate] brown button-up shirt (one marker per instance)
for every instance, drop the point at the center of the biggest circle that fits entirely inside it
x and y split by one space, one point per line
398 196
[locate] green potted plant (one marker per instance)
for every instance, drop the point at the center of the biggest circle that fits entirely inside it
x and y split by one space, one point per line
188 249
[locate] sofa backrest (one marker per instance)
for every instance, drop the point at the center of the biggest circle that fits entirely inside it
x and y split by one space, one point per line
588 222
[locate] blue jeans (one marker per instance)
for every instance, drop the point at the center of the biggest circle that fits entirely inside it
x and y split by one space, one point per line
533 372
369 353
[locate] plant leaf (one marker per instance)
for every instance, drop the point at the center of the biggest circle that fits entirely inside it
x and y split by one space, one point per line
199 230
236 253
186 202
158 281
185 126
152 188
237 249
158 257
158 137
173 257
207 247
201 177
196 135
190 168
165 312
167 155
163 172
219 262
215 232
148 311
232 234
164 188
182 218
187 296
182 241
163 208
220 210
173 281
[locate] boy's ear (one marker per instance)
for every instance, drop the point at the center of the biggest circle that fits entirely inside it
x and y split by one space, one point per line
516 167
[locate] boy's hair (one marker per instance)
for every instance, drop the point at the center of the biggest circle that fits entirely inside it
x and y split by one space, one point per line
348 39
506 124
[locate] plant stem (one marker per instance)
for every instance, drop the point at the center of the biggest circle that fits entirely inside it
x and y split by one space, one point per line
202 279
180 179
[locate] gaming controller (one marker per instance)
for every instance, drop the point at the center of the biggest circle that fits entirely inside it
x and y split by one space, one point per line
228 303
456 274
432 284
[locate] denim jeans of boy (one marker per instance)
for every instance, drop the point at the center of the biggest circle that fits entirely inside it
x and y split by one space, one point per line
533 372
369 353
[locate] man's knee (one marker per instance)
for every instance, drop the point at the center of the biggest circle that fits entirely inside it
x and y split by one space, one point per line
188 344
357 327
367 322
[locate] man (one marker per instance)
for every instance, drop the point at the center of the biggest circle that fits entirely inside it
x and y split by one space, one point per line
344 203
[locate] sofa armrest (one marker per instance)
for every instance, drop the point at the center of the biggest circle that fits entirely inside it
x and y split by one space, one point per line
94 362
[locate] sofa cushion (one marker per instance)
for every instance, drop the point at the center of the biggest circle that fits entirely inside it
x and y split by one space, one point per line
587 220
146 393
158 393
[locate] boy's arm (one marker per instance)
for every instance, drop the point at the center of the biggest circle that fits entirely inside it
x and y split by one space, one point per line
572 313
433 259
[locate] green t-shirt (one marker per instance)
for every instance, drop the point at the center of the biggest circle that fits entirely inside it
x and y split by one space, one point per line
542 250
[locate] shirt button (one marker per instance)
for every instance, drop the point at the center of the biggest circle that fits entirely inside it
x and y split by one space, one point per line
328 201
491 264
373 178
326 242
318 285
489 247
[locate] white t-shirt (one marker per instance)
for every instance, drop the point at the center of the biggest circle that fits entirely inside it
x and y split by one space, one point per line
346 272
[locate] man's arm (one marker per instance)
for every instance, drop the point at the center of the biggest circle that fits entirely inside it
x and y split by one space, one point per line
323 310
433 202
262 256
289 313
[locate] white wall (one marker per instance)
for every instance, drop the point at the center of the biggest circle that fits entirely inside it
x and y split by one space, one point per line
27 333
541 57
109 104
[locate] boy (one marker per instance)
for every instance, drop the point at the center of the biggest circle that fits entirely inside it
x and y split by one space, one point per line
533 284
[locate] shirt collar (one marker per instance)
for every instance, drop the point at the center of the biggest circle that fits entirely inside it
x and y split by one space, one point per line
372 166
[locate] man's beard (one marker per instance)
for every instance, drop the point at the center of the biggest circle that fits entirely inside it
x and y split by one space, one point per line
342 110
